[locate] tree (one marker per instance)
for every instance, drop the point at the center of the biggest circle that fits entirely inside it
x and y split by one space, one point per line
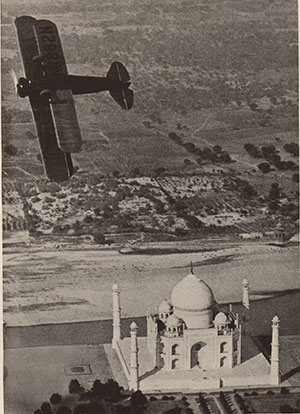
274 192
224 157
252 150
264 167
98 389
55 399
46 408
97 211
180 231
292 148
64 410
217 148
136 171
189 146
173 135
11 150
248 191
75 387
253 106
138 401
99 238
112 391
268 150
295 178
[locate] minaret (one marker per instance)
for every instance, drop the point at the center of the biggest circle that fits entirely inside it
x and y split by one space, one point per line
274 372
116 316
246 302
134 366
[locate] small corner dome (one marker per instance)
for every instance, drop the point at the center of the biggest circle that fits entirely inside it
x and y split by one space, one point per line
164 307
221 319
192 293
173 321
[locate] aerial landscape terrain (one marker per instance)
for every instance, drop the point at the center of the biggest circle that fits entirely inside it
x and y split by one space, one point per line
202 173
211 143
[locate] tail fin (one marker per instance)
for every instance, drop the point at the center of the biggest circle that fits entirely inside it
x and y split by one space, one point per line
119 76
124 97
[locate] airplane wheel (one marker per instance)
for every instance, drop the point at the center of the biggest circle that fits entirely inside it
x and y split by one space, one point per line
23 81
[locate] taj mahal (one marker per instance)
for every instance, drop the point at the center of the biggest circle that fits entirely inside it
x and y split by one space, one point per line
192 345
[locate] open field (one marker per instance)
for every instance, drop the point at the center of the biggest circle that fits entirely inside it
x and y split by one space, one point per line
52 375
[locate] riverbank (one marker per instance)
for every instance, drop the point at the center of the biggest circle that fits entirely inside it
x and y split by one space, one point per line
63 286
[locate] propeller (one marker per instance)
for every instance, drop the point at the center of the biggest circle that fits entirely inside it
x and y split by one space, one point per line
15 80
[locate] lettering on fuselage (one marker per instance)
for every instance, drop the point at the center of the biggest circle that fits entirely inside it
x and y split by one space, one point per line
50 49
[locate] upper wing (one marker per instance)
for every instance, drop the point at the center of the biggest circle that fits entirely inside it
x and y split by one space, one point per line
27 43
63 108
57 165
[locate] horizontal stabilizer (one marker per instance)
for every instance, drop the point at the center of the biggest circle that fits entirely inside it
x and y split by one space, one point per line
124 97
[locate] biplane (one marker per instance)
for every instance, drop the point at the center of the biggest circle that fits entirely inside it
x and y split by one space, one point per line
50 90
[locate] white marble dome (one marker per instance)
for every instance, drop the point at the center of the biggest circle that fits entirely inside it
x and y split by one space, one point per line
221 319
193 301
173 321
165 307
192 293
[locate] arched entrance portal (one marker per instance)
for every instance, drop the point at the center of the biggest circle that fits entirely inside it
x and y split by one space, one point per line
196 351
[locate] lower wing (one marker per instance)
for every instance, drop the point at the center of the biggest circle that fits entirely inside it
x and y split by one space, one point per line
65 120
57 164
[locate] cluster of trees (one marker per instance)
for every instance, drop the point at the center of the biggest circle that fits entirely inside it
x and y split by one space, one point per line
253 150
270 153
213 154
98 400
54 406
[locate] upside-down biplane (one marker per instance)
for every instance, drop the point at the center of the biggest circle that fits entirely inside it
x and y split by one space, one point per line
50 90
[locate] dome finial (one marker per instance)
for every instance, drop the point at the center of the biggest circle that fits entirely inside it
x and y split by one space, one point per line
192 268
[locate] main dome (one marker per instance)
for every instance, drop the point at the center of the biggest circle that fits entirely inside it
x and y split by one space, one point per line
191 294
193 302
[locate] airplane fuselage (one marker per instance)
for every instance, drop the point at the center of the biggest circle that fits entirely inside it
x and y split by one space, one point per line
76 83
